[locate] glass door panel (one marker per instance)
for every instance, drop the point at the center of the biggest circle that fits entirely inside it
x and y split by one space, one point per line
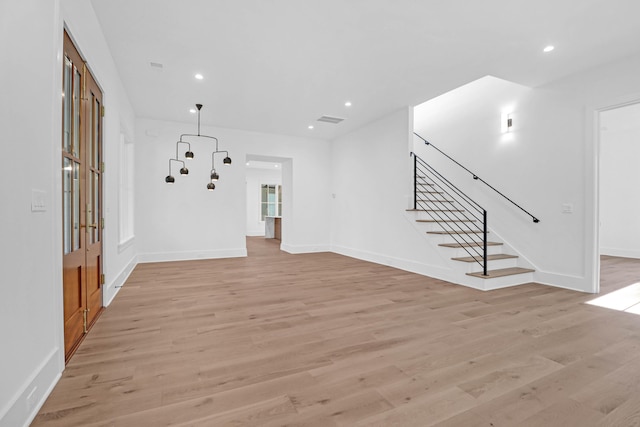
75 189
95 133
75 146
67 98
71 205
67 220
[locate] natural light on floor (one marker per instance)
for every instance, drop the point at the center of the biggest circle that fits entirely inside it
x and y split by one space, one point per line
625 299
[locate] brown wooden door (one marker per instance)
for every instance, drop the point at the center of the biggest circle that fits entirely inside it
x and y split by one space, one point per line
82 197
93 198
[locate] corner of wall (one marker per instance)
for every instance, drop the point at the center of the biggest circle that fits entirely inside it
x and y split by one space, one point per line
563 281
118 282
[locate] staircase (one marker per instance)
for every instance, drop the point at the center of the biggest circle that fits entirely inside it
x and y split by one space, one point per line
458 226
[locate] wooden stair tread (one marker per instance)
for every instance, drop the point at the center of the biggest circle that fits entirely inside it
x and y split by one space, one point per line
434 200
468 245
456 232
429 192
491 274
493 257
446 220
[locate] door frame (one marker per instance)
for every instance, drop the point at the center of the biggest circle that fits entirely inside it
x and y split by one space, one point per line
593 164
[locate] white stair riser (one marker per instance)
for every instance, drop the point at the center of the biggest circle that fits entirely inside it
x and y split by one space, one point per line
445 216
498 282
446 238
471 267
462 268
460 252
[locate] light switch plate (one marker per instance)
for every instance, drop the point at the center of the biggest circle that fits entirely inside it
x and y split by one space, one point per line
38 201
567 208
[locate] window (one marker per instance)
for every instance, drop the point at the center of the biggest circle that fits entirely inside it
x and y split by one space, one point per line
126 192
271 200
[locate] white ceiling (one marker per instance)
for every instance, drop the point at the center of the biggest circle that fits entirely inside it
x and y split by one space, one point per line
277 65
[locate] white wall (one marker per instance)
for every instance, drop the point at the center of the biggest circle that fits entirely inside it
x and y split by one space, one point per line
371 179
255 178
548 161
31 322
185 221
30 315
598 89
619 196
537 164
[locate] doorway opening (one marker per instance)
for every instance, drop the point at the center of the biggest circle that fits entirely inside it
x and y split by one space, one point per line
618 136
269 197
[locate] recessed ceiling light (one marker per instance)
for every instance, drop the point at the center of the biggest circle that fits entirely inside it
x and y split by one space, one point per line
199 76
192 111
347 104
247 163
548 49
310 126
275 165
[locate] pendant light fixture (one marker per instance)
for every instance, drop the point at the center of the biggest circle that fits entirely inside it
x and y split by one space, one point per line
188 155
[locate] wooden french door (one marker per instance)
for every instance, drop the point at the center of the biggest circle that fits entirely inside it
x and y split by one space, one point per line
82 197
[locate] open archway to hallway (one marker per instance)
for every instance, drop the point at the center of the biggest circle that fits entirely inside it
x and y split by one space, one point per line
268 193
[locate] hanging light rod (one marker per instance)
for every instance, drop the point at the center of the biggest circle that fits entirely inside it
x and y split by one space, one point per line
188 155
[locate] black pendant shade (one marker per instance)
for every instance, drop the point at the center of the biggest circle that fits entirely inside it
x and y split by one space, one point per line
188 155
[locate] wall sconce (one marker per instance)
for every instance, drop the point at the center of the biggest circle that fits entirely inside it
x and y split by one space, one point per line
506 122
188 155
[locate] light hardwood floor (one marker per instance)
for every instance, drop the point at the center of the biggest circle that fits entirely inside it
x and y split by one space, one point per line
324 340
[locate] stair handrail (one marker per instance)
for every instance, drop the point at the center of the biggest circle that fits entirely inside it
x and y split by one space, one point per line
419 165
476 177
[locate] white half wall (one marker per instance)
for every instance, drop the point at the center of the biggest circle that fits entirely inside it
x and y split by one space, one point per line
619 195
185 221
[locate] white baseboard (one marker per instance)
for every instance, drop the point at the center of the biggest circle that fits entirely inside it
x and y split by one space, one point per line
624 253
114 286
440 273
24 406
564 281
434 271
191 255
304 249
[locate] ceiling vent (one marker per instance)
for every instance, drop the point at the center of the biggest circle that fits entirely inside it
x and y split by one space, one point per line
156 65
329 119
